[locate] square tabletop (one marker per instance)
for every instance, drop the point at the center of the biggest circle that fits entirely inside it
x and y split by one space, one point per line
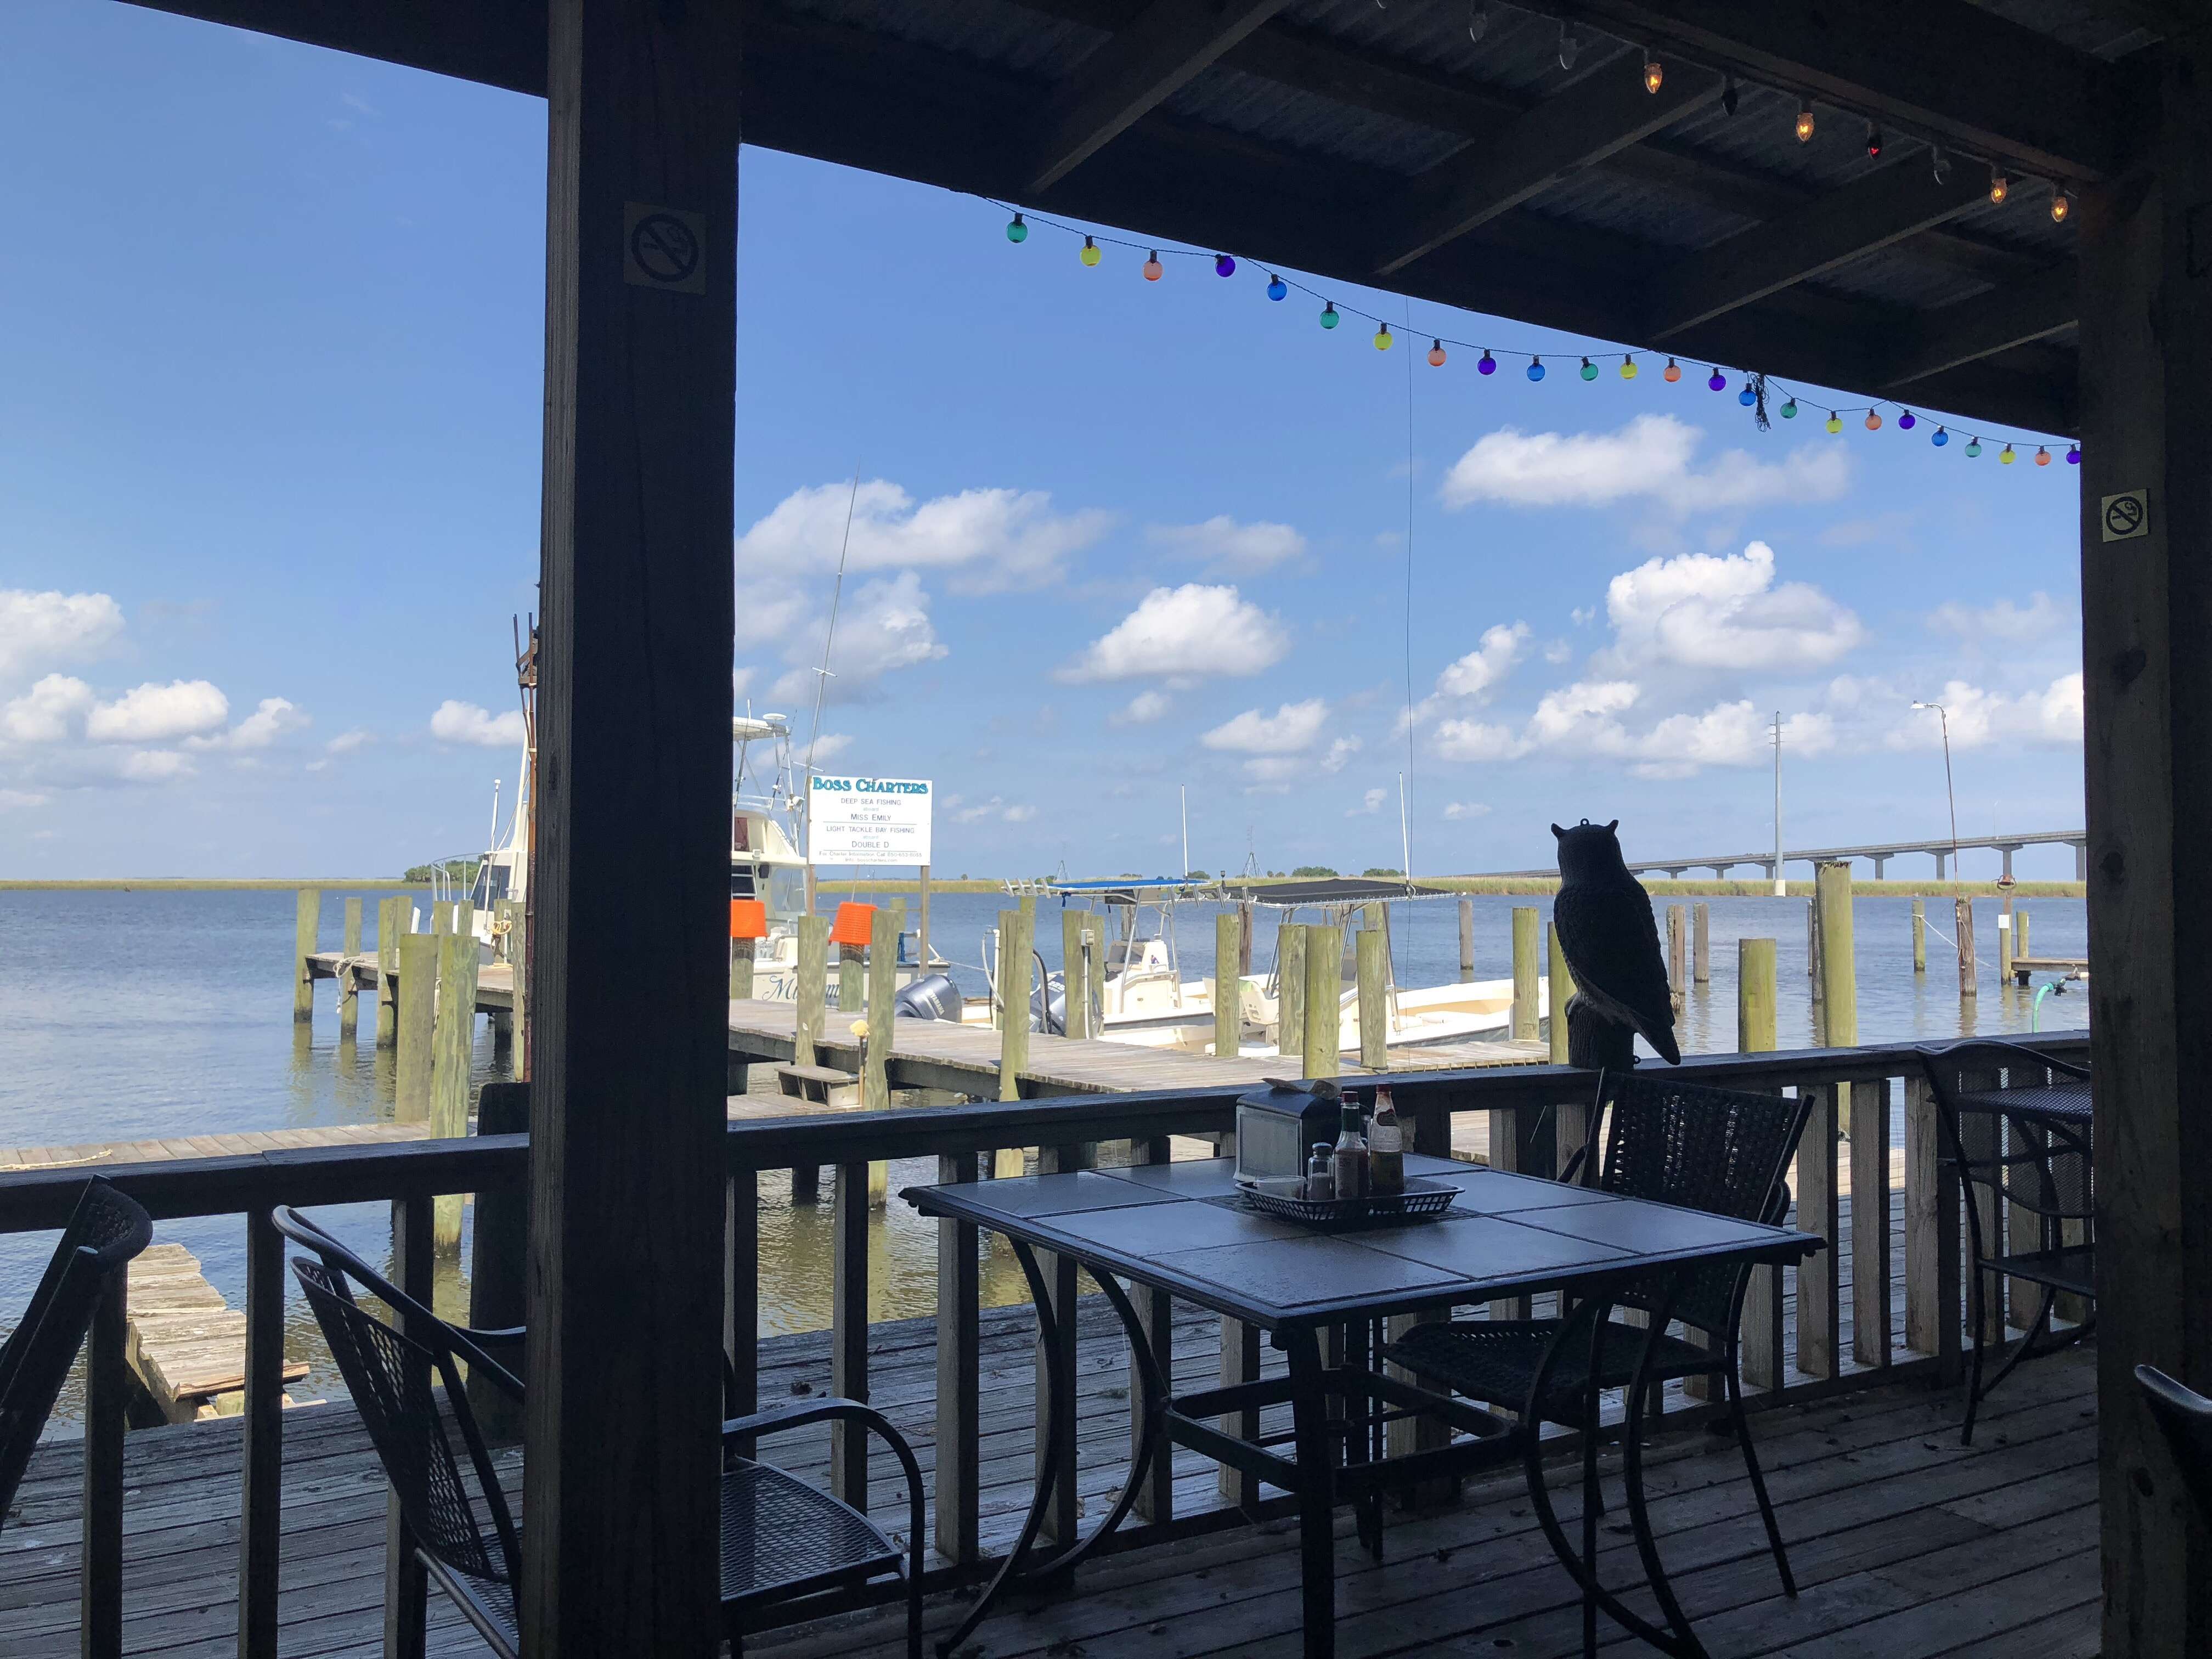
1163 1224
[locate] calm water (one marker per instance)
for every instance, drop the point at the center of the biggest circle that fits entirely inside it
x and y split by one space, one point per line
135 1016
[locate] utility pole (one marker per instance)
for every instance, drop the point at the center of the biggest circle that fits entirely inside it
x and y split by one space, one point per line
1962 905
1183 790
1781 887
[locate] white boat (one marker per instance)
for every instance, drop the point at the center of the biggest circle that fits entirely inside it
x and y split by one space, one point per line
1143 997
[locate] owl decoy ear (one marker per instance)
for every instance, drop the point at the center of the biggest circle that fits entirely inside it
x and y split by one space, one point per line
1560 833
1614 825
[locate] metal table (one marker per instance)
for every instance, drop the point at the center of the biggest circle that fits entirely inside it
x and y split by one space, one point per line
1175 1227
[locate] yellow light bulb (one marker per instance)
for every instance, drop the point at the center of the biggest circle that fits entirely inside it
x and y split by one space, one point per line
2060 207
1382 338
1805 123
2000 187
1653 74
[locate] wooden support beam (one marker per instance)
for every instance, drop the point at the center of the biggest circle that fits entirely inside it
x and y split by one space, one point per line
630 1049
1605 113
2146 423
1833 230
1135 71
2033 309
1950 69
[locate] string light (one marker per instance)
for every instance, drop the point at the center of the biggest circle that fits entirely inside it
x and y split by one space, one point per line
1939 165
1907 422
1571 45
1718 382
2042 456
1747 397
1488 365
1276 288
1590 369
1382 336
1152 266
1653 74
1835 422
1874 142
1973 447
1628 367
1873 420
1730 98
1090 254
2000 187
1673 371
1942 436
1224 265
2074 455
1805 122
1329 317
1016 230
1790 409
2061 205
2006 455
1478 21
1435 354
1535 368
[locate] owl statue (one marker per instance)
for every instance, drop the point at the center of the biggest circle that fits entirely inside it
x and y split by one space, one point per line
1609 937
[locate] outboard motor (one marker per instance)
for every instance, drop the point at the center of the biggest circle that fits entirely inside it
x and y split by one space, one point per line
932 997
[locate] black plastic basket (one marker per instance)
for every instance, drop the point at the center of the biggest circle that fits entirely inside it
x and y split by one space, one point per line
1422 1200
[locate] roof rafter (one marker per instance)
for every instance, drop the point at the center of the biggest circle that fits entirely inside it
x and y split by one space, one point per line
1988 324
1596 119
1832 230
1137 69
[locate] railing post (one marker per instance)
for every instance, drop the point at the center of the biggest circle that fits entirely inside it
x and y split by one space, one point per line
107 1385
1870 1292
1819 1277
740 1294
261 1493
406 1586
1155 1499
848 1333
1505 1153
1430 1136
499 1258
959 1387
1931 1235
1056 1416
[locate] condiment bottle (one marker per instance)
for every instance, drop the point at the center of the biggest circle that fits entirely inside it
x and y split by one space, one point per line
1385 1148
1350 1155
1321 1173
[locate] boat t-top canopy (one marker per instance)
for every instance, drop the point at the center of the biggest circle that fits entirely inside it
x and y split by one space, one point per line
1338 890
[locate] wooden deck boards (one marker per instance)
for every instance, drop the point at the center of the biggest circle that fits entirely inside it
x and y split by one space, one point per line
1908 1545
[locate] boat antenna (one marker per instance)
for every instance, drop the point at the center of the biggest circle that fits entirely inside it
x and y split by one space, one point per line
1405 837
823 676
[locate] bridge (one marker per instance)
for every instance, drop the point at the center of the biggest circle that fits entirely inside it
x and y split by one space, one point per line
1877 853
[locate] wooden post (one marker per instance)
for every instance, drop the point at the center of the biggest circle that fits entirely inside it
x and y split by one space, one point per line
1155 1500
1967 977
106 1407
2020 934
1816 987
1526 932
261 1497
1244 915
884 930
1052 1409
499 1257
1290 990
518 963
1870 1290
1014 980
2004 949
810 989
1919 937
1755 985
1562 986
848 1331
442 916
1819 1313
1839 975
742 957
1240 1362
1466 940
959 1286
418 1019
1931 1235
1094 974
1324 1032
1678 956
1701 952
453 1048
852 981
740 1288
307 931
349 999
921 927
1075 991
406 1585
1373 969
1228 989
390 923
628 1115
465 917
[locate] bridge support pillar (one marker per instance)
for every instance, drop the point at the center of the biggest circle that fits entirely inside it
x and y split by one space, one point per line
1942 860
2080 861
1881 863
2006 853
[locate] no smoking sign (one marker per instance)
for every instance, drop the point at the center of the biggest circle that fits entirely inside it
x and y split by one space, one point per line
2125 516
664 248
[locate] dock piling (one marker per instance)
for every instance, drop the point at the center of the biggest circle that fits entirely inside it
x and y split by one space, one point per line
348 997
1701 940
1466 940
391 918
417 955
810 992
1968 980
1324 999
1291 991
307 927
2004 949
453 1047
922 926
1678 948
1074 973
1562 987
1228 987
442 915
1919 937
1526 932
1755 1032
1373 969
1015 933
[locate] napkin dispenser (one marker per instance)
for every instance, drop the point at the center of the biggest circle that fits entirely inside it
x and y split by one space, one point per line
1276 1125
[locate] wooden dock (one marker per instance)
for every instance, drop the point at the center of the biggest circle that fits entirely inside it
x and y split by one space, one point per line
186 1345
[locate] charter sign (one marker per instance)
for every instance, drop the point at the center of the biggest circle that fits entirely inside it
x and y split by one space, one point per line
868 821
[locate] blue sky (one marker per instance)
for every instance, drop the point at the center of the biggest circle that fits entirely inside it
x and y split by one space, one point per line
270 403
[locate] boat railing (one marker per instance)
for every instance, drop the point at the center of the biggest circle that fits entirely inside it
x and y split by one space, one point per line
1808 1331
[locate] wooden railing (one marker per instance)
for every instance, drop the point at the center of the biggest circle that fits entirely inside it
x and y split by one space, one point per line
1537 1115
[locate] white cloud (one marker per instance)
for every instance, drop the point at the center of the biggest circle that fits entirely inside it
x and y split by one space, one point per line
455 721
48 711
1020 814
37 630
1474 677
2004 620
1291 730
1143 710
830 744
1651 458
1557 652
1224 544
1180 634
2048 718
1456 810
15 800
155 766
884 626
1369 803
996 808
1586 720
157 714
1340 751
346 742
990 539
273 717
1708 611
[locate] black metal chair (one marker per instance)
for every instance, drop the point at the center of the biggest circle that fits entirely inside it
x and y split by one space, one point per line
786 1549
2016 1128
1716 1150
104 1233
2184 1418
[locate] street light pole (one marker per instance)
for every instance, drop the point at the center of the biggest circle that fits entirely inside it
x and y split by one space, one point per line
1963 906
1950 795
